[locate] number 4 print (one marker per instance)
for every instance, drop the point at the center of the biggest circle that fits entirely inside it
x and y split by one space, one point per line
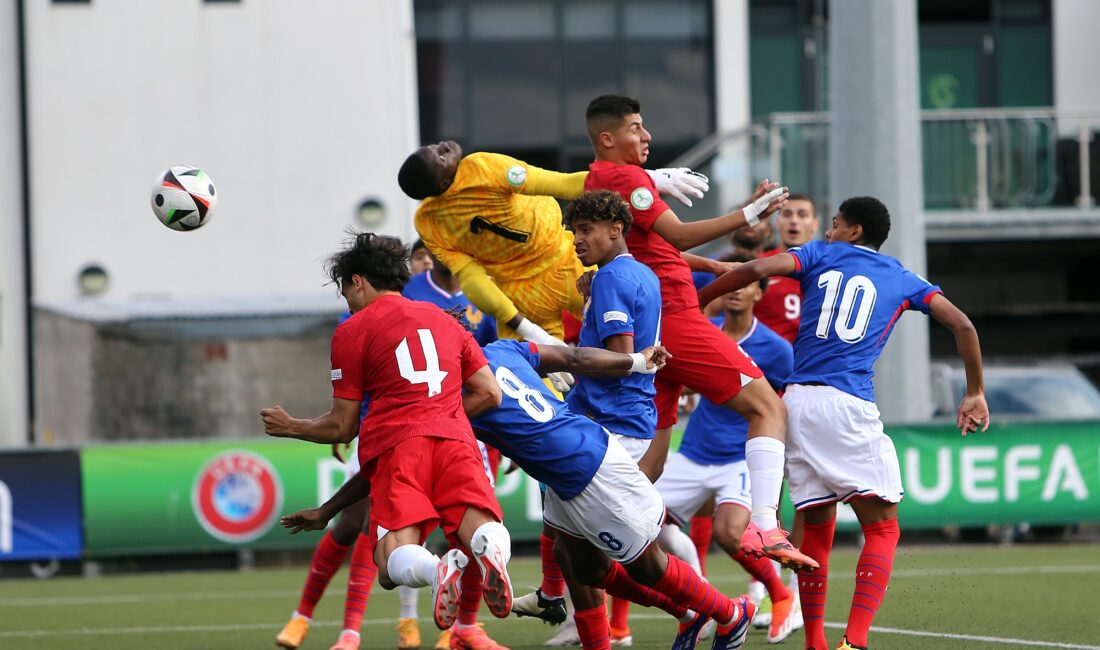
431 374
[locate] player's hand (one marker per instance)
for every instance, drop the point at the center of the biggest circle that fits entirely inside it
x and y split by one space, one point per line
276 421
338 453
679 183
308 519
584 284
973 414
767 198
721 268
562 381
654 358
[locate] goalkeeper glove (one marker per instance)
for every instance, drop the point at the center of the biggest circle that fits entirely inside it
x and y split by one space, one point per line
679 182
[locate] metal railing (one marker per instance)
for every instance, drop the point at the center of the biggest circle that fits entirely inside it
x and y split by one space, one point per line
975 159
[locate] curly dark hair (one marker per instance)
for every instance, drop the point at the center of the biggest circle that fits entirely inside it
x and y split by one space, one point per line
600 205
383 261
869 212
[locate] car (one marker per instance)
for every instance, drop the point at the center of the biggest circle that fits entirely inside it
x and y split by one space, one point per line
1046 391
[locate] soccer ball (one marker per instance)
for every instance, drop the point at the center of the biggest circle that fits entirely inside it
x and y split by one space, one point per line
184 198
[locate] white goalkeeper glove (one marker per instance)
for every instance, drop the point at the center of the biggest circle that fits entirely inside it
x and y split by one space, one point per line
562 381
679 182
753 210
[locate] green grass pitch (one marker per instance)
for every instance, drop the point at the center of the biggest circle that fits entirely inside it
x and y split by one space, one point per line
985 596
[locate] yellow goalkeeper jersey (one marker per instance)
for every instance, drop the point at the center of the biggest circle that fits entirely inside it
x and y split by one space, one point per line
486 216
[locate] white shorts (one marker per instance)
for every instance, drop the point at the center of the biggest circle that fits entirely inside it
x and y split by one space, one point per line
619 511
836 448
686 485
636 447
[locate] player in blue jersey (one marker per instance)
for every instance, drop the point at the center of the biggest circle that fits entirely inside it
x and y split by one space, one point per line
440 287
605 510
836 448
711 461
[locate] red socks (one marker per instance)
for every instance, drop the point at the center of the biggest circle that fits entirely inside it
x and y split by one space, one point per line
763 570
876 561
327 558
684 586
553 584
625 589
701 530
817 541
470 598
592 628
360 581
620 611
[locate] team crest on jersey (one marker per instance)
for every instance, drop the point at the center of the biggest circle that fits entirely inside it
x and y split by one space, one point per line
237 496
516 175
641 198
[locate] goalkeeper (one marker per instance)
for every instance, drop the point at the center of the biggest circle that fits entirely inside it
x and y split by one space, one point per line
494 221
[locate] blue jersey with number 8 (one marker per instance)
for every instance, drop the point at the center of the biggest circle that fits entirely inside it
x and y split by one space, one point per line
851 298
536 429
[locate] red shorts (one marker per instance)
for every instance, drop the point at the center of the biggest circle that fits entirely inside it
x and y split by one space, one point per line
429 482
703 358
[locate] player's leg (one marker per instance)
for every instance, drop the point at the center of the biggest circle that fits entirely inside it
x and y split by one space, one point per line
360 581
879 520
327 559
408 630
817 542
701 532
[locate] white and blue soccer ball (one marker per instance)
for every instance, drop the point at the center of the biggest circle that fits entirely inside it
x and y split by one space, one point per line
184 198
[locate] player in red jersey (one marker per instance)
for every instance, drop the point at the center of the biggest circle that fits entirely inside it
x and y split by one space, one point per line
781 306
421 464
704 359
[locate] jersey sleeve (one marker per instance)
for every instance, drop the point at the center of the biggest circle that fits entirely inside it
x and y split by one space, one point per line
473 359
612 307
347 380
805 256
918 291
638 190
499 171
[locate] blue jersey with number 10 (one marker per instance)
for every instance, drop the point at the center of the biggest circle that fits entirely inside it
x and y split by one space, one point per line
851 298
536 429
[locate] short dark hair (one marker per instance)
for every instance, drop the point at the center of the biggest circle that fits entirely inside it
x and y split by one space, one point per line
608 109
417 178
417 245
801 196
869 212
601 205
383 261
741 257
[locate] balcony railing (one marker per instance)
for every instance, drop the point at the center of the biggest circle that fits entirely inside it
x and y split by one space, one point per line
981 161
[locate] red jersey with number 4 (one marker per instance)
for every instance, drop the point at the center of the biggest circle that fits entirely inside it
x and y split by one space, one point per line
781 306
411 358
637 189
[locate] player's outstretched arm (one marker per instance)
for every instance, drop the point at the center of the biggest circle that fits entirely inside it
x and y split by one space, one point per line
352 491
746 274
767 198
973 410
597 362
480 393
340 424
677 182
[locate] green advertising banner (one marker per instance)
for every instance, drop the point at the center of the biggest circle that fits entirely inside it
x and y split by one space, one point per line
156 499
228 495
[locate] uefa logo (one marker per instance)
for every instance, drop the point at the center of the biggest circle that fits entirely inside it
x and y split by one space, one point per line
237 496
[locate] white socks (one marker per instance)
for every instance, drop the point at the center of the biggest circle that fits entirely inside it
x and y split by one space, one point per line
765 458
675 541
493 533
407 595
412 565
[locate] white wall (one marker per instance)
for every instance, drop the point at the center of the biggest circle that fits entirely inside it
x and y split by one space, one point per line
1076 51
13 313
297 110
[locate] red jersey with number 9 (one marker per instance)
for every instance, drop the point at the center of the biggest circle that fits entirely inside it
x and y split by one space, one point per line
781 306
411 359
